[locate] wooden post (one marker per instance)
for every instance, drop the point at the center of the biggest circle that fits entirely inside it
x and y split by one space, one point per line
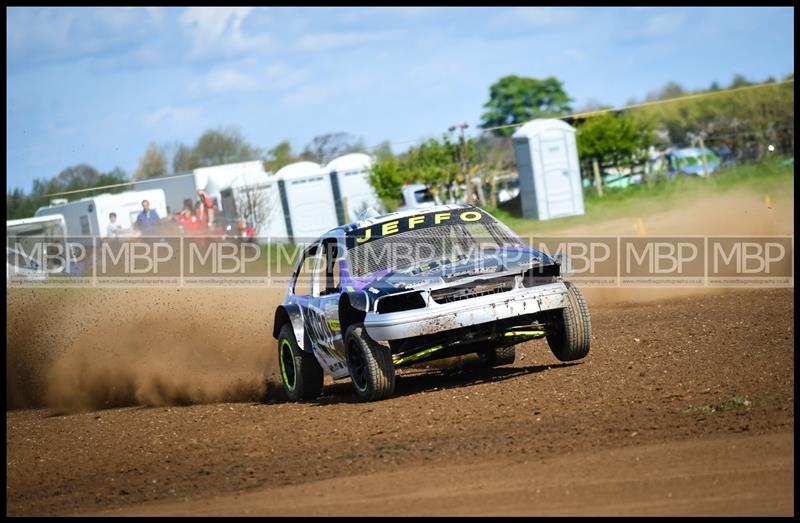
703 156
598 181
467 175
494 190
463 161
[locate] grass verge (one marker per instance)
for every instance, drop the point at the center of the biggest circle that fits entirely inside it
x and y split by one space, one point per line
770 177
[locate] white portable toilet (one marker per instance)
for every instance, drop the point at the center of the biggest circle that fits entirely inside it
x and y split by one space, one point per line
350 179
307 197
549 172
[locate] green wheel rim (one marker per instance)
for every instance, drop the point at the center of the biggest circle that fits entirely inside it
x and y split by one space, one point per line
290 375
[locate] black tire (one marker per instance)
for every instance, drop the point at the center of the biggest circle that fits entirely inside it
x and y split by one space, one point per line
301 373
496 356
570 329
370 365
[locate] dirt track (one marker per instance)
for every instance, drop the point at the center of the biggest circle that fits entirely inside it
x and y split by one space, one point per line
150 401
654 374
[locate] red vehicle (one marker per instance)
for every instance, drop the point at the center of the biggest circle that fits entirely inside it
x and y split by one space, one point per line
224 226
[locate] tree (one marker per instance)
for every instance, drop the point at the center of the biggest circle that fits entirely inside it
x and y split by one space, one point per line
254 205
741 118
383 150
326 147
18 205
223 146
614 140
279 156
592 105
183 160
215 147
740 81
515 100
387 178
152 165
434 163
670 90
75 178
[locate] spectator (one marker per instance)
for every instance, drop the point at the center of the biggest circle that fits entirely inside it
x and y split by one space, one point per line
113 228
200 213
209 206
147 220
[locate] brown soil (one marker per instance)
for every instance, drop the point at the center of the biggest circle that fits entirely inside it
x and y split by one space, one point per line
666 381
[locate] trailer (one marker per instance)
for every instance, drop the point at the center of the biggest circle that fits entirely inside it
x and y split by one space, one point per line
350 181
180 190
41 247
90 216
25 236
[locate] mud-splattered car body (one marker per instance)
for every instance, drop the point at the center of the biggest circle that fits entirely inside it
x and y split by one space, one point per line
425 284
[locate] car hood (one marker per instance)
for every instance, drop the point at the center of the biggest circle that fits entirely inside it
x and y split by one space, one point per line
435 275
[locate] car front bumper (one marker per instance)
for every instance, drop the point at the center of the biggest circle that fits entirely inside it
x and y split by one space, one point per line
436 318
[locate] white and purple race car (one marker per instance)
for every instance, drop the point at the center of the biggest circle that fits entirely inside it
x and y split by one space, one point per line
415 286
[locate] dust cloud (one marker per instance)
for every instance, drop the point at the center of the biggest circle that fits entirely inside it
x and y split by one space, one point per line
85 349
738 212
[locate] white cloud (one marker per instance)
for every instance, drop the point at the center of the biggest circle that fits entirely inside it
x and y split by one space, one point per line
224 79
279 76
219 31
308 95
574 55
251 77
42 35
324 41
172 116
664 24
533 18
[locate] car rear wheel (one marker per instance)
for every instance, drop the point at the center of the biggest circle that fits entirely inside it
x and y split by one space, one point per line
496 356
370 365
301 373
570 329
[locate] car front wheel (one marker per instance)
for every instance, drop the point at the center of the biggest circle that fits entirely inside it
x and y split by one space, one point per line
570 329
370 365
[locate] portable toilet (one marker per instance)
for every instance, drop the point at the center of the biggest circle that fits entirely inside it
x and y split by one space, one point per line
352 191
549 172
307 199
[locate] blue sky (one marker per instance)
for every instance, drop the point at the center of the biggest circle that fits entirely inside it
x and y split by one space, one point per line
96 85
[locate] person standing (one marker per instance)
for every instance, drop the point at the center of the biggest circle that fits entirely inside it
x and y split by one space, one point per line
113 228
209 206
147 220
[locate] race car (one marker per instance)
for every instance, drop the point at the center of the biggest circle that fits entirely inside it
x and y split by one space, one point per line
404 288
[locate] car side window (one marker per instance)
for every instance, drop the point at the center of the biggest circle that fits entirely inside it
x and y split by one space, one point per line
327 275
302 280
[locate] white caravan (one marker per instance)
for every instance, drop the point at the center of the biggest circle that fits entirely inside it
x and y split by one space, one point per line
90 216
